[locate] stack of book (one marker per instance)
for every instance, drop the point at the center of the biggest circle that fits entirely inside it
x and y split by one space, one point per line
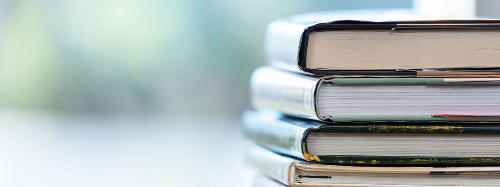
347 101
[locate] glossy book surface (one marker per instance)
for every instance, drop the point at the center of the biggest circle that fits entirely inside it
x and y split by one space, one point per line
381 143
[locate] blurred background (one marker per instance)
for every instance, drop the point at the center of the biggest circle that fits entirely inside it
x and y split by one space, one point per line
137 92
171 58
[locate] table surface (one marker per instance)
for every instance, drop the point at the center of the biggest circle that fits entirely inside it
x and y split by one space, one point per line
45 149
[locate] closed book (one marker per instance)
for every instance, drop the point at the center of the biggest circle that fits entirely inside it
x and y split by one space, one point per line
436 144
340 98
295 173
387 42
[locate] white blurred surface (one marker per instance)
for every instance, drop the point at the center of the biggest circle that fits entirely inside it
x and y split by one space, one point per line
42 149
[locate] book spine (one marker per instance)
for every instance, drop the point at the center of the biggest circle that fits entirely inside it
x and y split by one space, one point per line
286 92
276 135
282 44
268 163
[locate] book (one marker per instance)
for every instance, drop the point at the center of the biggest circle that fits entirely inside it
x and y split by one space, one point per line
334 98
294 172
382 42
375 144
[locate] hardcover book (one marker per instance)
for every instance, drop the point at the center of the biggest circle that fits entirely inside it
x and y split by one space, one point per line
382 42
436 144
337 98
293 172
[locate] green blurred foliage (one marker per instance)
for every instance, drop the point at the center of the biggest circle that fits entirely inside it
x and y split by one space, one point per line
174 58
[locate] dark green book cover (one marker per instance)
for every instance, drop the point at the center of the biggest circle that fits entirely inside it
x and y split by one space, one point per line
289 136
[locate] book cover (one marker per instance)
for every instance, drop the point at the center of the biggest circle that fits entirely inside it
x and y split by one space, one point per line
294 172
288 44
376 98
469 143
